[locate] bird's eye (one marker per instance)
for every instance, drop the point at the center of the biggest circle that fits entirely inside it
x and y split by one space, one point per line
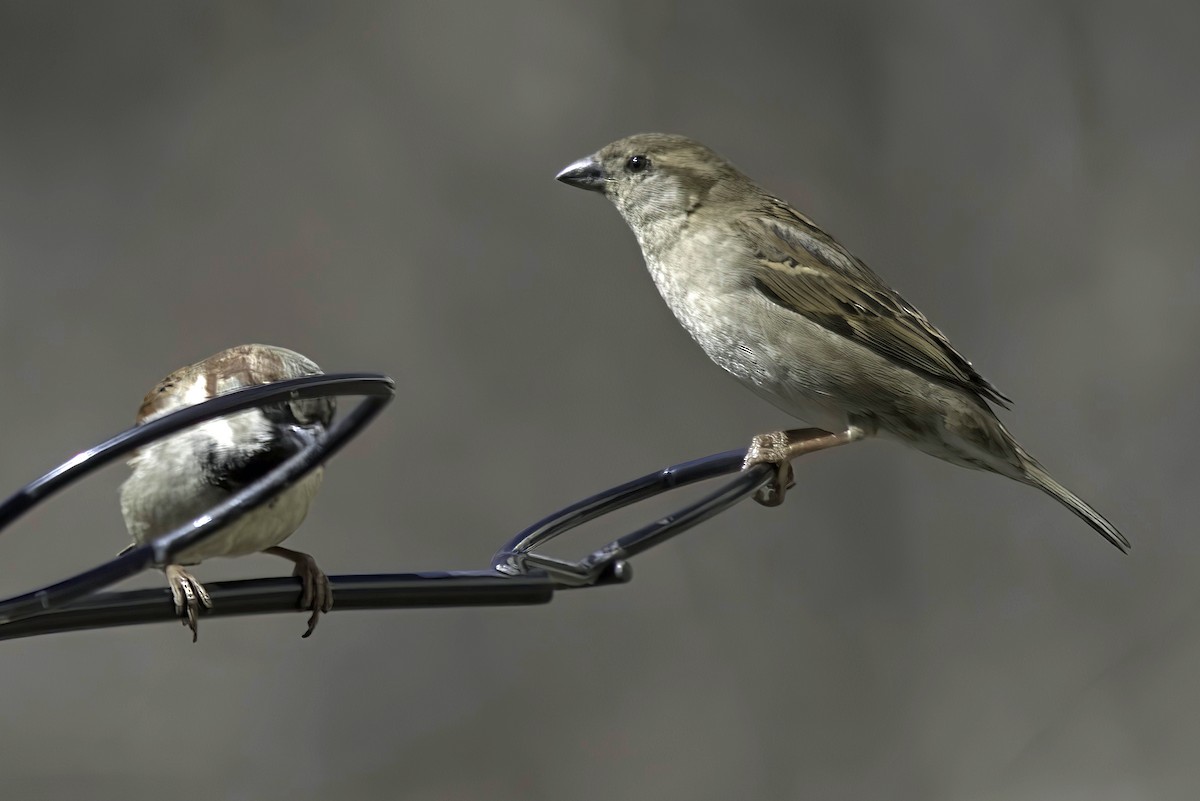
637 164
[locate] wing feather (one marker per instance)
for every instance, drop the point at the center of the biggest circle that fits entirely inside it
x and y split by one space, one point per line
804 270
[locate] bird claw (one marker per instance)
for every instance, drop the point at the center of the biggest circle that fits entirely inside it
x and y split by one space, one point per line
773 492
189 595
780 447
317 594
773 449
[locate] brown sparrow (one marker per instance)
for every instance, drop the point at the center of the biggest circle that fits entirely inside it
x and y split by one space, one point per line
792 314
177 479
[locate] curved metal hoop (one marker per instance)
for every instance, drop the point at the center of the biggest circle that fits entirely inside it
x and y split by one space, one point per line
608 565
376 390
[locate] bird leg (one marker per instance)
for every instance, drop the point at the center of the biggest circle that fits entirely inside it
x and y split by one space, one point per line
189 595
317 594
779 448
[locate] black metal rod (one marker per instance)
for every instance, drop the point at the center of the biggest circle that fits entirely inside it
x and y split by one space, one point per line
276 595
519 575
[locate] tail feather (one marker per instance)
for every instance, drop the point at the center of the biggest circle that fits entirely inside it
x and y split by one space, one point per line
1036 476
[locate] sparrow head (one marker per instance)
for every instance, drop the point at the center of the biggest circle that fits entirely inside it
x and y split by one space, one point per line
653 177
228 447
235 368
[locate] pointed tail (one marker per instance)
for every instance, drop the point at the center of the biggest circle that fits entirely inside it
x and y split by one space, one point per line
1036 476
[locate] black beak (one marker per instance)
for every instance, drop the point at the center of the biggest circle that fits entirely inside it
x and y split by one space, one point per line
584 174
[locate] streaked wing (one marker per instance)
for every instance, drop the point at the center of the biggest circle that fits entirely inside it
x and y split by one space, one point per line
803 269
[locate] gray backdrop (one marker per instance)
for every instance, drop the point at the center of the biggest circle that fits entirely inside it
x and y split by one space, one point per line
372 185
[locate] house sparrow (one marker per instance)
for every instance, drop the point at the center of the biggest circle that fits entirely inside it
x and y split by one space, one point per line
177 479
794 316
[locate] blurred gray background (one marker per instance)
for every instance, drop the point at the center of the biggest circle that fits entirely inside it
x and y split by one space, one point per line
372 185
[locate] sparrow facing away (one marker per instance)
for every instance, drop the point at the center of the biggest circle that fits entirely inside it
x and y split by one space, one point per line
794 316
177 479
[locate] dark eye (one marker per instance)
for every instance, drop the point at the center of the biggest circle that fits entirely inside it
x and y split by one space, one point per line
637 164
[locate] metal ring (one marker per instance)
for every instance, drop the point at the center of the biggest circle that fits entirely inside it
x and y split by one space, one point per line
377 391
608 565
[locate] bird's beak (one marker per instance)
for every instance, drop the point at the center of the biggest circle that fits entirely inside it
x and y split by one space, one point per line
584 174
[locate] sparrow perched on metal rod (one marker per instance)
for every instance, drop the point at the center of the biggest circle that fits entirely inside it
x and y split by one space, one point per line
798 319
177 479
